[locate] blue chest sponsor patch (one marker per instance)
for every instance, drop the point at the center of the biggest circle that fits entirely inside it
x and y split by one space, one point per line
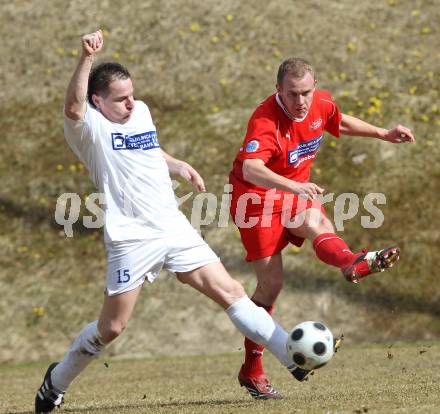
304 151
144 141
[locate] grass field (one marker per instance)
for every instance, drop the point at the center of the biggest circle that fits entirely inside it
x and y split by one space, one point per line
382 379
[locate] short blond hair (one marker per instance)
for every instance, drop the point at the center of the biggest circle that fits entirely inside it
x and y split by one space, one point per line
295 67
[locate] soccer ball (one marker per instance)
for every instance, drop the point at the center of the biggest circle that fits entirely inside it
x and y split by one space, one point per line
310 345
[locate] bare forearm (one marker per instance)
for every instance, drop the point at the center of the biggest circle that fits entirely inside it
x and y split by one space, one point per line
255 172
76 95
174 165
264 177
356 127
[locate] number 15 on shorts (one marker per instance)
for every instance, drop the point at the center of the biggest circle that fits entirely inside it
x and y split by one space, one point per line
123 276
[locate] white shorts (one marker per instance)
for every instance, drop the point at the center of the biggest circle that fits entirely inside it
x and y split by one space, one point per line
131 262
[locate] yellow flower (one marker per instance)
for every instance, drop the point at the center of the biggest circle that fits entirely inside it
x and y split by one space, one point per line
116 55
415 13
342 76
425 30
215 109
360 103
59 167
351 47
229 18
215 39
413 90
194 27
333 144
276 53
38 311
23 249
237 47
434 108
430 74
424 118
392 2
223 82
61 51
430 142
74 52
80 167
72 168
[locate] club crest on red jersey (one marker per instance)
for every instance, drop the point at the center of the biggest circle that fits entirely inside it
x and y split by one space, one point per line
316 124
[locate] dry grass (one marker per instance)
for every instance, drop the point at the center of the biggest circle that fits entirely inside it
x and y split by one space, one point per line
202 67
402 379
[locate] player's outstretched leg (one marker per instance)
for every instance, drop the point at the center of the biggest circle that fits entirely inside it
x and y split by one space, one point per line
368 263
331 249
251 320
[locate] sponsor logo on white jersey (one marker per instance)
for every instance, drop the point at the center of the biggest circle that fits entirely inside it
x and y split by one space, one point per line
144 141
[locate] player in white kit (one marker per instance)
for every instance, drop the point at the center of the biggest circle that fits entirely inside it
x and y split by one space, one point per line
114 136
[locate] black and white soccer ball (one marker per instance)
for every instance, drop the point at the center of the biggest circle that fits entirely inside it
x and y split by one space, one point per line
310 345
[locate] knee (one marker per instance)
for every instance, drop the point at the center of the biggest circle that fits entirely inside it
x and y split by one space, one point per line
317 223
236 290
110 330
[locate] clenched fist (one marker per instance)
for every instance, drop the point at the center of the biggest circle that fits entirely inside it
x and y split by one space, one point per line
92 43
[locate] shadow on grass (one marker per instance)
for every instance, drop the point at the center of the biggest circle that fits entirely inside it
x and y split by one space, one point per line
171 404
39 215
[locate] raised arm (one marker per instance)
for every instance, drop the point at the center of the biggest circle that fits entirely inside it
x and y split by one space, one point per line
356 127
76 95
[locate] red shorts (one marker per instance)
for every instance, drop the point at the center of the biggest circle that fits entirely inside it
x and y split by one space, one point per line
265 235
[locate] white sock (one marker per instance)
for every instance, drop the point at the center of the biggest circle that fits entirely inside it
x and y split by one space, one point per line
85 348
256 324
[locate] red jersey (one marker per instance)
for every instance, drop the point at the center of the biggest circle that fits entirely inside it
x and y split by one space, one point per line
287 146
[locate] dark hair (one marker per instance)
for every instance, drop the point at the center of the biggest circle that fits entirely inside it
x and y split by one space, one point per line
295 67
102 75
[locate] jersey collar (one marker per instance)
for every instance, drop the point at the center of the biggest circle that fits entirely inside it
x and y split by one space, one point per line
288 114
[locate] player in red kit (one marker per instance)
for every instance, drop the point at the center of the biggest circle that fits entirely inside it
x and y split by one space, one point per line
273 202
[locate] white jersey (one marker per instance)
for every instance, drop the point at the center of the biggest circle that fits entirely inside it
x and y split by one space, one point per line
128 167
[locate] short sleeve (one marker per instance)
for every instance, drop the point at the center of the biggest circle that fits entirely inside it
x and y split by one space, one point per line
334 118
79 134
261 140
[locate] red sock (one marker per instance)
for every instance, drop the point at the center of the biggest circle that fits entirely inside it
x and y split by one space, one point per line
331 249
253 366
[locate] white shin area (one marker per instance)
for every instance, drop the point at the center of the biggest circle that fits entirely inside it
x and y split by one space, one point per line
256 324
85 348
